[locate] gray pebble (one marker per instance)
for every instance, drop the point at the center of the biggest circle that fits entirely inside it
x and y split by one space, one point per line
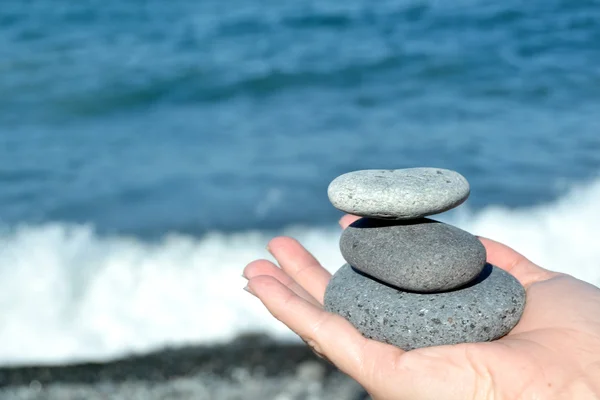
485 310
419 255
398 194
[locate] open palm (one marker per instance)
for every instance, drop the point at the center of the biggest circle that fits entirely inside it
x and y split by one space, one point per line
554 351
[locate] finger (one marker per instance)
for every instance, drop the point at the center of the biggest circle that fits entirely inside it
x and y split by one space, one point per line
514 263
347 220
300 265
265 267
367 361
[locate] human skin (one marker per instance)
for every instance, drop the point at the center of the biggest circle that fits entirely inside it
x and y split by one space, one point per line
552 353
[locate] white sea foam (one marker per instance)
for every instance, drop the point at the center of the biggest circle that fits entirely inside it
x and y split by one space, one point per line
69 294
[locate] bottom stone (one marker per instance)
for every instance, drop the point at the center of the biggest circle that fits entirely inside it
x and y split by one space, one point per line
486 309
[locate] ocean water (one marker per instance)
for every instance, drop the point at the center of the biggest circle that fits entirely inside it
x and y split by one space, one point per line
150 149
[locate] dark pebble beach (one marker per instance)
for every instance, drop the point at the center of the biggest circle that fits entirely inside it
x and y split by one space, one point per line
252 367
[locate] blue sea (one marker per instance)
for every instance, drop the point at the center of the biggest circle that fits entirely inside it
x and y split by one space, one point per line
150 149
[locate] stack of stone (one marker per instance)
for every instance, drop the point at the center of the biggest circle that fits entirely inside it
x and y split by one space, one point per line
412 281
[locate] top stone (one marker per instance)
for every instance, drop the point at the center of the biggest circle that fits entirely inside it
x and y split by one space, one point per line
398 194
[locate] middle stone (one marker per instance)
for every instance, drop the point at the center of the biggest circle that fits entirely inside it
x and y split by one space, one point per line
419 255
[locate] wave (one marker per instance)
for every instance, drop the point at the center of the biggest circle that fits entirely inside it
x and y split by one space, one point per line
195 86
70 294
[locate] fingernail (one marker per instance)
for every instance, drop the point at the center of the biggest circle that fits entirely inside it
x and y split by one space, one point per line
247 289
244 276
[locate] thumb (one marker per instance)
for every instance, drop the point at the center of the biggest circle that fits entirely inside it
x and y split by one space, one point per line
514 263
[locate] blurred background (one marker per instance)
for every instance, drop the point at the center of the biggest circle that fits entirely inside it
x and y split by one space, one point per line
150 149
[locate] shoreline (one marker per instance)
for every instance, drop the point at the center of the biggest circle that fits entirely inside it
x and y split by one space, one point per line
250 367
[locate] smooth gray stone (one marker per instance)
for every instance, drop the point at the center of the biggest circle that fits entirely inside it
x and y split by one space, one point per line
398 194
419 255
485 310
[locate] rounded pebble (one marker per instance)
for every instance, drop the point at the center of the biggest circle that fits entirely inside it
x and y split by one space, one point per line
398 194
419 255
485 310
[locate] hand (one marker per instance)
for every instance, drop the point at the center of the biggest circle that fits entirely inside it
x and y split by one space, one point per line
553 353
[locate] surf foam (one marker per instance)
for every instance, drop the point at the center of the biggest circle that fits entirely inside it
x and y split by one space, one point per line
71 295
